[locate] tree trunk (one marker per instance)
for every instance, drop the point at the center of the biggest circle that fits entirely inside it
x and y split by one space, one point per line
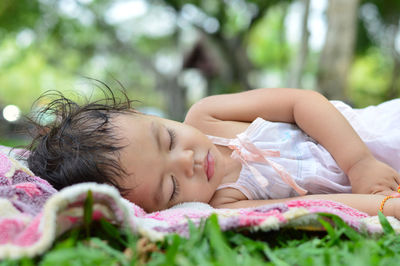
301 57
234 53
393 89
337 54
241 65
175 98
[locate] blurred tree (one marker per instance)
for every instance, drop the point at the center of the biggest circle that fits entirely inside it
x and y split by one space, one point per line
15 17
267 44
380 20
77 36
18 15
301 57
375 77
46 44
221 52
74 38
337 53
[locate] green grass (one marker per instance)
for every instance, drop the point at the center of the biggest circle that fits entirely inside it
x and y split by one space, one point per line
101 243
107 245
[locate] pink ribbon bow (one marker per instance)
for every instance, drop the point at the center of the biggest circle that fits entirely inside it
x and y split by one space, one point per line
258 155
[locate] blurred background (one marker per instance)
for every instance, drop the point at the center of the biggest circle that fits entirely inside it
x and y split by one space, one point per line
169 54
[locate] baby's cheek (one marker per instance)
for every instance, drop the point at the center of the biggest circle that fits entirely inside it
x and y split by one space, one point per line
199 195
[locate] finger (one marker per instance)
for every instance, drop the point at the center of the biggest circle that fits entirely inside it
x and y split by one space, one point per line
394 185
397 179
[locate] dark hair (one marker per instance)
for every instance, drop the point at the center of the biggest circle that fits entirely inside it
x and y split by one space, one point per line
79 145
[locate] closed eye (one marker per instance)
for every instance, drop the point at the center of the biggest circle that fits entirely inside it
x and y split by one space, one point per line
175 191
172 138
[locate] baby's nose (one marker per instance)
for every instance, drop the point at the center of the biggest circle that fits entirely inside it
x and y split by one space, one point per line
187 163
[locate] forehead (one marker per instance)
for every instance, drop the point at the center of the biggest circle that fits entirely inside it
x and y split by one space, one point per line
131 126
139 158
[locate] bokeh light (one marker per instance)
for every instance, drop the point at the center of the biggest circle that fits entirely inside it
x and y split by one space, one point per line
11 113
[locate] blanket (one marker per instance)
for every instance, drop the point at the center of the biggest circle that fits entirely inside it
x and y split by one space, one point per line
33 214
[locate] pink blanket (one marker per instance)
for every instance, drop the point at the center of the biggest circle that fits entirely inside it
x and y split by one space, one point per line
33 214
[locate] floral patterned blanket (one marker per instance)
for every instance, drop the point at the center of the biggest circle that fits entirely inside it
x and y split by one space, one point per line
33 213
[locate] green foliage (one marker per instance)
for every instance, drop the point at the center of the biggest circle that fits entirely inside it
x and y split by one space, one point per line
266 43
369 78
389 10
69 45
88 212
207 245
387 227
17 15
24 77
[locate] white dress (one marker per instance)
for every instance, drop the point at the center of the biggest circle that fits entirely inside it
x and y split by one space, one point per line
308 163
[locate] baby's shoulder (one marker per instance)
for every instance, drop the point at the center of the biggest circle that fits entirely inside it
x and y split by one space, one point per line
214 127
203 115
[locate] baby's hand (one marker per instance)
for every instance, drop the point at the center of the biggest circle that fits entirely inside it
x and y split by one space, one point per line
370 176
392 208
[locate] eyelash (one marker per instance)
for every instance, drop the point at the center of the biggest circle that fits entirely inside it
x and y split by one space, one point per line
175 191
172 136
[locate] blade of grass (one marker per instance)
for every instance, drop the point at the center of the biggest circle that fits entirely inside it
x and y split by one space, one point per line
70 240
98 243
328 227
88 212
273 258
222 251
386 226
347 230
172 250
78 255
26 262
344 227
333 234
112 231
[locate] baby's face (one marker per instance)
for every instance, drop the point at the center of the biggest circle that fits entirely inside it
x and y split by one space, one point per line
168 162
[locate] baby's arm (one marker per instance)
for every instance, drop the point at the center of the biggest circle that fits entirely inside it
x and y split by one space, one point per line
362 202
315 115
